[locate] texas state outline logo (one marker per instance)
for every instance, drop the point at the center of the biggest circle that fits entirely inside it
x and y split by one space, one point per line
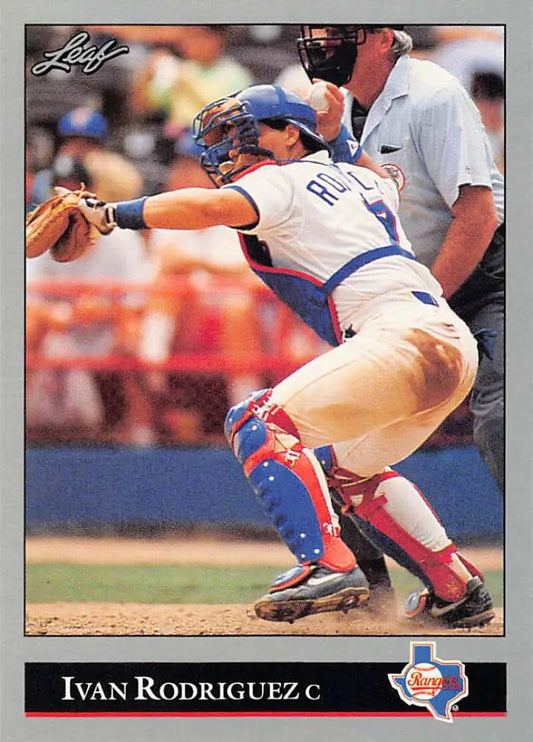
431 682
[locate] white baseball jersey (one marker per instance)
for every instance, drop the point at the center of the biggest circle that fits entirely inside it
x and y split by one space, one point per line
425 123
316 218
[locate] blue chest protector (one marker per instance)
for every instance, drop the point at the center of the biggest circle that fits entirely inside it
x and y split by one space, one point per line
305 295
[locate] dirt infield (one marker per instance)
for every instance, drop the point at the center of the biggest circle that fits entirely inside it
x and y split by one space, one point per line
130 619
133 619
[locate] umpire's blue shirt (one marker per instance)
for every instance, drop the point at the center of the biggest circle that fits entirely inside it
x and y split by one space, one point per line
425 123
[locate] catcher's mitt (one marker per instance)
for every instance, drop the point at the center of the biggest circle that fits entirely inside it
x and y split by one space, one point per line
59 226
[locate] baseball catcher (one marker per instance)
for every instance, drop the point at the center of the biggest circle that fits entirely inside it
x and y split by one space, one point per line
326 239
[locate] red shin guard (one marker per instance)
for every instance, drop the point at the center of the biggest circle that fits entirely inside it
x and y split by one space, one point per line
367 500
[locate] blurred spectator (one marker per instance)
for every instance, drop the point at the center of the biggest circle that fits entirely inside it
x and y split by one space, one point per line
81 136
488 92
293 77
469 50
105 404
424 41
476 56
212 317
178 82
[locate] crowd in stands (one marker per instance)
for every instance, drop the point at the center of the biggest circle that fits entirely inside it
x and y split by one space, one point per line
149 338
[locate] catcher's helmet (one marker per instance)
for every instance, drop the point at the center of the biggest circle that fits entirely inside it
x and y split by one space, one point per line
231 124
329 52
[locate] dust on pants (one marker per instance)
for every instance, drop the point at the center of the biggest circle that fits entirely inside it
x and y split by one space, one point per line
380 395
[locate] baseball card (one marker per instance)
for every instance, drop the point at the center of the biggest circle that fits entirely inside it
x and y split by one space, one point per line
264 435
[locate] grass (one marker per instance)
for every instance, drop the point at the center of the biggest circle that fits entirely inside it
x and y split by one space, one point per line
53 582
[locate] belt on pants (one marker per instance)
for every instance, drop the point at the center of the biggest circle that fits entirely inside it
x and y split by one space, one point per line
423 296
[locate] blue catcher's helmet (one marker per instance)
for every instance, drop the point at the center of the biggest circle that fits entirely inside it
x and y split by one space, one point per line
231 123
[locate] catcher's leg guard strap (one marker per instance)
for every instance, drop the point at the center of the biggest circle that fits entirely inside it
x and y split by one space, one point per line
369 557
287 479
395 516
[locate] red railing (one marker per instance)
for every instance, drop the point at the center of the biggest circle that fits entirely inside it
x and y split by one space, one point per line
222 325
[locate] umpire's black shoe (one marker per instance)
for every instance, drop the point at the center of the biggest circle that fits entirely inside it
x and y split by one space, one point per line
475 609
308 589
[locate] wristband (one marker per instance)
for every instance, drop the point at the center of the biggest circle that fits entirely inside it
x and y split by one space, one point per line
129 214
345 148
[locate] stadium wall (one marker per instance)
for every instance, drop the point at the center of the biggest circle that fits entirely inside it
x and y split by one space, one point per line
105 487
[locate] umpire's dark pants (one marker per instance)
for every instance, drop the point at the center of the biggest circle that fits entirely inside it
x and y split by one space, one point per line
480 302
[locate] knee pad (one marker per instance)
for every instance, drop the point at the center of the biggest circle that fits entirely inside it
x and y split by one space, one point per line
286 479
253 437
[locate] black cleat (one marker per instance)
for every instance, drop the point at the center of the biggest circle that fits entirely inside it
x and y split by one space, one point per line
475 609
308 589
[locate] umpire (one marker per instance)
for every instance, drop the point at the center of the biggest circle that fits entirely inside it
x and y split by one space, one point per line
416 116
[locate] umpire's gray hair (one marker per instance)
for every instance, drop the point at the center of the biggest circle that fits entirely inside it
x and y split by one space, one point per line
402 44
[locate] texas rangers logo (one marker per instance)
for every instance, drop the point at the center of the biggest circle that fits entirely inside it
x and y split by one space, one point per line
431 682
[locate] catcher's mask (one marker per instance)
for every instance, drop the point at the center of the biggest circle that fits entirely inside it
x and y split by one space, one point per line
231 125
329 52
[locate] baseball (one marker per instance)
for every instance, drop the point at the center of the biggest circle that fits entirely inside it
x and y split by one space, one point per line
317 97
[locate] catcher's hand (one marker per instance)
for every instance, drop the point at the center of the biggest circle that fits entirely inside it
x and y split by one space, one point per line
59 226
98 213
328 102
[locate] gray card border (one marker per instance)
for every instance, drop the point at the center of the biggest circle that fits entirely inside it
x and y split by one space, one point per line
515 648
